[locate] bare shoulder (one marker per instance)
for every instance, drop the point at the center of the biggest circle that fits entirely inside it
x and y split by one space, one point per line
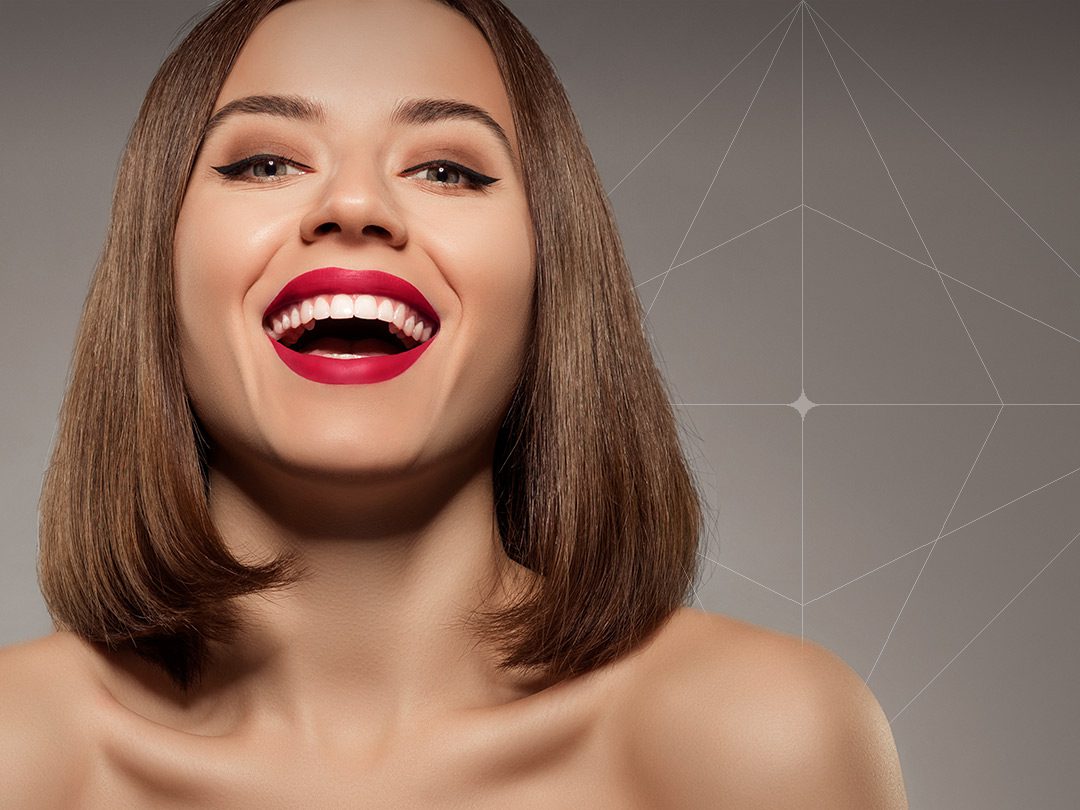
46 694
729 714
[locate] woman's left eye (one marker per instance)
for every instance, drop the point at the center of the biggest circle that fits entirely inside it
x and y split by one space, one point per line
442 173
271 166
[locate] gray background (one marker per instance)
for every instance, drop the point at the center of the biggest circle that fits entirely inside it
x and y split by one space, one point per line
874 347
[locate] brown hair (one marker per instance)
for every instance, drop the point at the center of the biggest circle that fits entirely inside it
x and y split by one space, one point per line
591 488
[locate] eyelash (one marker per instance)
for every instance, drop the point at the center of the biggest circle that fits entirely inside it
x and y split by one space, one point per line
473 180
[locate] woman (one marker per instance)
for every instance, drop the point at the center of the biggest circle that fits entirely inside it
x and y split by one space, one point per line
366 490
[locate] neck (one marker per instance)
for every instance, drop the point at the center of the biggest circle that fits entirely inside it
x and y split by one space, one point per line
376 634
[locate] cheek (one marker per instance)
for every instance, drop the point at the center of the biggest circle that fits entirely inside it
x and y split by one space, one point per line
492 271
489 262
218 253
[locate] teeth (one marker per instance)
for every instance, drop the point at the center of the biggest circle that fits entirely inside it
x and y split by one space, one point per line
366 307
341 306
290 323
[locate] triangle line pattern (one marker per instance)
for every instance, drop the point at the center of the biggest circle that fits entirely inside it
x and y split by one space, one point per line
933 545
871 238
717 247
814 14
907 210
946 534
907 553
951 278
992 620
721 165
873 142
802 9
751 579
701 101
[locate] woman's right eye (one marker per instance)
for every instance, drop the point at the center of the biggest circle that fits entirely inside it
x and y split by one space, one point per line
263 167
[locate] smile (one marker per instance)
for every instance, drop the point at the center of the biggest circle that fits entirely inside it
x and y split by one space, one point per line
343 327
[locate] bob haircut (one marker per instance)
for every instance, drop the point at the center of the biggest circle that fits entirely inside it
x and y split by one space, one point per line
592 490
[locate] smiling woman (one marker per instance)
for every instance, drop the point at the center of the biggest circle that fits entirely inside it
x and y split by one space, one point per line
366 483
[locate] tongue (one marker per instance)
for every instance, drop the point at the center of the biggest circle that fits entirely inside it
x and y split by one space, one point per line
336 347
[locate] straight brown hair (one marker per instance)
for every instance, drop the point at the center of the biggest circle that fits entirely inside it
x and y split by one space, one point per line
592 490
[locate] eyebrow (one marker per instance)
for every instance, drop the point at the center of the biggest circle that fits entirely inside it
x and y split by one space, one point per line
409 111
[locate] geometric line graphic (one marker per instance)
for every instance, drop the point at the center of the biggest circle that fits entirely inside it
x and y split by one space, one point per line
723 159
991 621
859 319
817 16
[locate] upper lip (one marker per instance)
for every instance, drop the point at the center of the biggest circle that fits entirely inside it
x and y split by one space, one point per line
330 280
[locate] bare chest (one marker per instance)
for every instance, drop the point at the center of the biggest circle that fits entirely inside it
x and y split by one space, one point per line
584 771
562 748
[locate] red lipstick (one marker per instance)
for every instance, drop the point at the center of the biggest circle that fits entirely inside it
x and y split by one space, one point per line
357 370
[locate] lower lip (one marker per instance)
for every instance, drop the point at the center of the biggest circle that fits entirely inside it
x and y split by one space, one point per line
349 371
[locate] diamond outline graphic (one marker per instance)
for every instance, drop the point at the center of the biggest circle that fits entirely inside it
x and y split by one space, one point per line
803 404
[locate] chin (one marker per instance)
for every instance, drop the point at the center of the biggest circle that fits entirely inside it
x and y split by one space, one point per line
366 453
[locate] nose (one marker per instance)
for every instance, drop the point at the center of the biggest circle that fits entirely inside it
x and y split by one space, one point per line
355 208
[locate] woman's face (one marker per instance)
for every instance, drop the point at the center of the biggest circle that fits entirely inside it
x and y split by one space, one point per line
356 188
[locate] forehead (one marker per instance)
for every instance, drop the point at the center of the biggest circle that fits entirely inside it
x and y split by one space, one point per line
361 57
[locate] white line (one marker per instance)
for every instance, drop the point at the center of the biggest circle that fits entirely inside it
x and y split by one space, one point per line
871 238
873 143
802 529
802 320
1010 306
933 545
951 531
882 404
718 168
715 86
951 278
694 591
755 404
744 576
907 210
871 571
716 247
1064 548
983 179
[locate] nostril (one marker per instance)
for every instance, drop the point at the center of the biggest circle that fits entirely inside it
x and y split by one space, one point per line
331 227
376 229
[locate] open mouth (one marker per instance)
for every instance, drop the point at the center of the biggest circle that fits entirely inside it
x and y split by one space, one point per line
347 326
352 338
338 326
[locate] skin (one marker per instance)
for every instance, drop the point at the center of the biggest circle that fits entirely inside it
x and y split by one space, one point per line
361 686
384 488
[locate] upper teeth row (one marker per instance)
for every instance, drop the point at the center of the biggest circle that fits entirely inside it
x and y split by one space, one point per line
293 321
